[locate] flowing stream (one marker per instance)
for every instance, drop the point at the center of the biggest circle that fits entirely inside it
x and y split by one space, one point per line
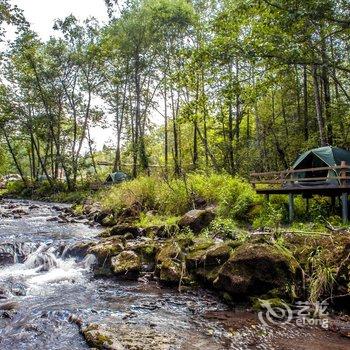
43 285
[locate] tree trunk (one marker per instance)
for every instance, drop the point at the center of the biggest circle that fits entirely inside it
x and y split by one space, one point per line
318 105
306 106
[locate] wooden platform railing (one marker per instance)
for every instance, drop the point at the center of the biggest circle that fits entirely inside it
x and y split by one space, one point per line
288 182
290 176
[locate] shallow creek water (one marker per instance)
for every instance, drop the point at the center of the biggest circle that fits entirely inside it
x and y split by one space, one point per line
41 288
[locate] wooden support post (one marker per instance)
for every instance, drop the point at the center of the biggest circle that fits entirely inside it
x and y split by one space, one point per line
343 173
344 199
344 196
291 207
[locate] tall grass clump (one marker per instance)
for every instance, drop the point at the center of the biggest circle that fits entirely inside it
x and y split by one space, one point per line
174 197
141 192
234 197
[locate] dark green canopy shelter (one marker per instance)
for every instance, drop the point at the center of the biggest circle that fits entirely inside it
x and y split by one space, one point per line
117 177
327 156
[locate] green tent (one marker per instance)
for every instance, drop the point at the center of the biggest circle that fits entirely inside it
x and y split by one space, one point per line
318 158
117 177
42 178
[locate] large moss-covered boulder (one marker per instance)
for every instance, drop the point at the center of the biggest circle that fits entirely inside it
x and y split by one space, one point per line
197 219
256 269
207 275
127 264
215 255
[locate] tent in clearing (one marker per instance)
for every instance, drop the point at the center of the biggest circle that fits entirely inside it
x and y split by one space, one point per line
116 177
322 157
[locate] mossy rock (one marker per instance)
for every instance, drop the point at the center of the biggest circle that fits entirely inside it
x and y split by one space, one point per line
78 250
213 256
169 265
121 230
255 269
147 250
202 242
106 249
260 304
109 221
207 275
169 251
170 271
100 338
127 263
197 220
161 231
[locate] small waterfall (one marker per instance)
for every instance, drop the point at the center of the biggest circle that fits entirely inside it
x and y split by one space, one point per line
43 259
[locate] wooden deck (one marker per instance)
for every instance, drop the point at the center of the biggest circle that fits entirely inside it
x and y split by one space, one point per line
288 182
321 191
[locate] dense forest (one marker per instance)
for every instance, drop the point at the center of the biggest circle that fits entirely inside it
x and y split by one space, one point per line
197 98
226 86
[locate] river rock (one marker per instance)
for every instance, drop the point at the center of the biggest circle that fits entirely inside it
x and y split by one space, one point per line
125 336
52 219
91 208
169 263
197 219
11 253
108 221
213 256
123 229
170 250
256 269
11 305
104 251
20 211
127 263
6 258
161 231
101 338
79 249
146 248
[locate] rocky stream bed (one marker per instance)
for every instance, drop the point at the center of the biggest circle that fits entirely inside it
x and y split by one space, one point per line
60 290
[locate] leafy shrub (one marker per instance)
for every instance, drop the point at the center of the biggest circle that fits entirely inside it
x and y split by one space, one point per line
15 187
225 228
270 217
237 198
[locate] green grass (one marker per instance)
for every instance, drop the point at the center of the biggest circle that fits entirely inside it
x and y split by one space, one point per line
147 220
234 197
